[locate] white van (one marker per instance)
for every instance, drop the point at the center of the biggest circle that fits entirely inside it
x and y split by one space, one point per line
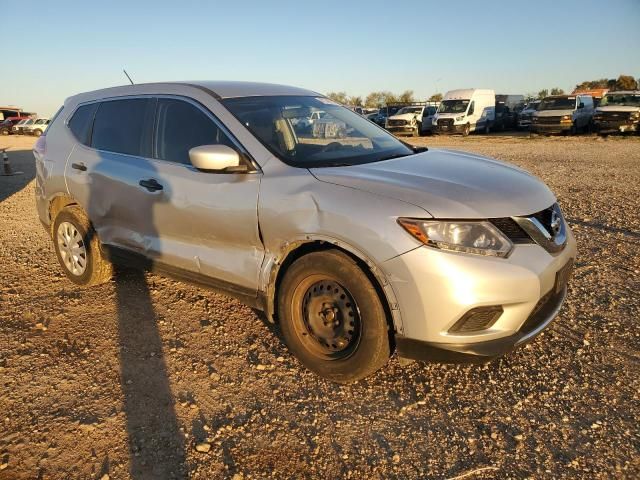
466 111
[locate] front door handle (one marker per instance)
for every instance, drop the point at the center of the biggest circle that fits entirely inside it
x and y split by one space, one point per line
151 184
79 166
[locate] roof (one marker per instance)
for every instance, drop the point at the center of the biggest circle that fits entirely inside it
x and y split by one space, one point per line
466 93
219 89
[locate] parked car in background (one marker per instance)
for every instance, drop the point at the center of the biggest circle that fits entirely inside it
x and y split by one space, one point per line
386 112
508 107
427 118
466 111
358 246
525 116
562 114
407 120
36 128
19 130
10 117
618 112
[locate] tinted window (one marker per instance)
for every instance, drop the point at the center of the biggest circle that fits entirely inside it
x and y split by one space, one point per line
80 123
182 126
121 126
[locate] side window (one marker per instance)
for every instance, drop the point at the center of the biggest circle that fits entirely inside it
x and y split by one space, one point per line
471 107
122 126
181 126
81 121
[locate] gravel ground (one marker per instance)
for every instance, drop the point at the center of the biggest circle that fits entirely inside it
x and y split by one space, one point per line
150 378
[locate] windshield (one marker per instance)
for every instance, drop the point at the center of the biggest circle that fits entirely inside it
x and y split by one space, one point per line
40 121
557 103
627 99
29 122
409 110
532 106
283 124
453 106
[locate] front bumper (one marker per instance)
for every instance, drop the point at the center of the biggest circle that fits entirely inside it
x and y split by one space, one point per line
615 126
435 289
444 129
550 127
401 128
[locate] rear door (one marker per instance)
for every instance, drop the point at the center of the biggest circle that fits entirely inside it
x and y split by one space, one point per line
104 169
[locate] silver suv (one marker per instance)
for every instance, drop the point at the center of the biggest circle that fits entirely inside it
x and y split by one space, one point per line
358 244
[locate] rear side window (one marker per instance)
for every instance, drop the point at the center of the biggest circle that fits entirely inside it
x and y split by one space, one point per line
122 126
182 126
80 123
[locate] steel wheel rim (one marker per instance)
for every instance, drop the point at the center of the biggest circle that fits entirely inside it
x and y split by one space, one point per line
71 246
330 325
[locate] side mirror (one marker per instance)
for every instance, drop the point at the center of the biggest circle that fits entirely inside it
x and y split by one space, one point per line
217 158
581 105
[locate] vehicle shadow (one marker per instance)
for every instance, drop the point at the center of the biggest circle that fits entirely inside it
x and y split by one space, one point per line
155 442
20 161
156 445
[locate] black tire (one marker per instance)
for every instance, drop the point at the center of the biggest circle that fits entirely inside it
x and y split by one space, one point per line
466 130
97 270
37 133
333 281
416 132
4 131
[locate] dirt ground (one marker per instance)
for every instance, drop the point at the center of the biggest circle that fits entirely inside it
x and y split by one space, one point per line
147 378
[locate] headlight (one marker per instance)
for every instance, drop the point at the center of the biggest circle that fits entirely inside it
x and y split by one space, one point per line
566 118
480 237
634 115
460 118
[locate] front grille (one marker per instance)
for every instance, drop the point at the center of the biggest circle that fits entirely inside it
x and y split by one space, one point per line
511 229
614 116
548 120
445 122
397 123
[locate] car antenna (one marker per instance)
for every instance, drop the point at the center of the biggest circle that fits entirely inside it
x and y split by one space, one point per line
125 72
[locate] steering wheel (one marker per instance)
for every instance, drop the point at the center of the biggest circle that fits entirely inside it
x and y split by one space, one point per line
330 147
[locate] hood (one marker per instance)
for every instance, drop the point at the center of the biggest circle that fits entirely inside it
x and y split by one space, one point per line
618 108
450 115
403 116
553 113
448 184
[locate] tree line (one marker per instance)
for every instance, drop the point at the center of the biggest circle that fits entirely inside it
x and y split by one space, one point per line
385 97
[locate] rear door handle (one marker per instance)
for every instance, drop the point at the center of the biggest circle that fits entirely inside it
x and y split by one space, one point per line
79 166
151 184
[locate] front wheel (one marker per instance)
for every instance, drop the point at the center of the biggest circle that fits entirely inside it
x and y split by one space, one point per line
332 318
466 130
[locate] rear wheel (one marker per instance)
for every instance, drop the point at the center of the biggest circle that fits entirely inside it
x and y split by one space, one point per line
78 248
37 133
332 318
4 131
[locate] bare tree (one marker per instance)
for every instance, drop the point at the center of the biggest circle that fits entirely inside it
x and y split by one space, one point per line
543 93
436 97
557 91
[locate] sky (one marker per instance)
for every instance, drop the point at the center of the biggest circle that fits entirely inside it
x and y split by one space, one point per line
67 47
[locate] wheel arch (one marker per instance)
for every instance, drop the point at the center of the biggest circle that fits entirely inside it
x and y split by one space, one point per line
298 249
58 203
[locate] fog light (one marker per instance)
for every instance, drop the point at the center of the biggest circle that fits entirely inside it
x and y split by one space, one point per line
476 319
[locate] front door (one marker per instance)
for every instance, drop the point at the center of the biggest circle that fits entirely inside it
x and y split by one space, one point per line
206 221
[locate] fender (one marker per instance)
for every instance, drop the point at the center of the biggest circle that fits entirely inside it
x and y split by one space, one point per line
274 261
